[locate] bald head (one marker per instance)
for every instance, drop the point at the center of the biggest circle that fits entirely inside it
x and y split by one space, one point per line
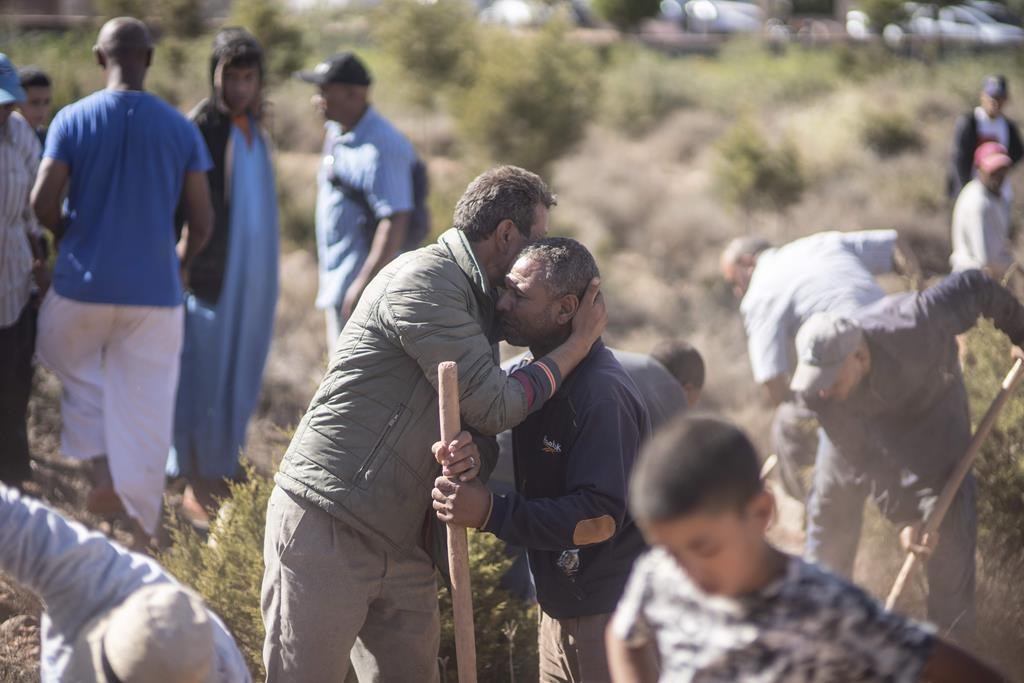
123 40
739 259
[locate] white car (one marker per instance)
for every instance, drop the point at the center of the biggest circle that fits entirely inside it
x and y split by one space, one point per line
956 23
716 16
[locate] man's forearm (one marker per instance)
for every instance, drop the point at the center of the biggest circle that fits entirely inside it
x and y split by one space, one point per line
387 242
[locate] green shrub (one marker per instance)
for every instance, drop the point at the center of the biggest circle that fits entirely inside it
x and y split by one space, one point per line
109 9
281 38
888 133
228 570
434 44
531 99
753 174
626 13
640 88
181 18
506 628
999 471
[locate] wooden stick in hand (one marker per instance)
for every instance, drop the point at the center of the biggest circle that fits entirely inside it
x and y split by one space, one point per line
458 543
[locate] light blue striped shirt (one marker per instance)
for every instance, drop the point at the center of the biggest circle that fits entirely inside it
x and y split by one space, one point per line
376 160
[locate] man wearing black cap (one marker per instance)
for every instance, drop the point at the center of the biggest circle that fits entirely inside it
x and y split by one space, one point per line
365 194
986 123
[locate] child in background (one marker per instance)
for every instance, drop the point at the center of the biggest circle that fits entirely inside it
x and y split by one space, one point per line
713 600
38 103
686 365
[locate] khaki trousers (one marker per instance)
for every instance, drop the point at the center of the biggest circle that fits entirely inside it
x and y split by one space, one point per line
572 650
332 594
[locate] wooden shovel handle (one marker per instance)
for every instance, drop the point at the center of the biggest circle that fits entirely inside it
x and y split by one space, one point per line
458 543
945 499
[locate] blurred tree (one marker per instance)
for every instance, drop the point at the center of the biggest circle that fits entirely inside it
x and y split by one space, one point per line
883 12
532 97
435 44
281 38
181 18
109 9
626 14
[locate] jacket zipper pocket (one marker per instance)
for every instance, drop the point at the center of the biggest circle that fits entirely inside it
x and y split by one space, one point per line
365 470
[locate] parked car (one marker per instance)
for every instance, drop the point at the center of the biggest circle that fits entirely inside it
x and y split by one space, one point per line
715 16
514 13
997 11
959 24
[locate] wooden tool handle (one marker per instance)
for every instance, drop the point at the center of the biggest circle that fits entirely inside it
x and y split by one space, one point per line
949 491
458 543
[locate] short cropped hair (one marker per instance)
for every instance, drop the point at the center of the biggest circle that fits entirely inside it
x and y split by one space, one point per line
694 464
744 246
504 192
33 77
568 265
682 360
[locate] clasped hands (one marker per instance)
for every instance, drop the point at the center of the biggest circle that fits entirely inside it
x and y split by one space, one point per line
460 498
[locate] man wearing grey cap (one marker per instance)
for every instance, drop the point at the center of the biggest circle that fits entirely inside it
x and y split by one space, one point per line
111 615
364 188
985 123
886 386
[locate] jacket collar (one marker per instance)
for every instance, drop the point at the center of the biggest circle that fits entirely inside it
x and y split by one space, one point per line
458 246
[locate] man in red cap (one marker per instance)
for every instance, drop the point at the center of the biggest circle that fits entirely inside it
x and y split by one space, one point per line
981 216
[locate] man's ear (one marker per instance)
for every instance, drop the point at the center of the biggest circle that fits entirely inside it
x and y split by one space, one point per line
505 235
567 307
100 58
149 57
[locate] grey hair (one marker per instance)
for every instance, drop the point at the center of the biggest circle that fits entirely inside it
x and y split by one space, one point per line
503 192
568 265
744 246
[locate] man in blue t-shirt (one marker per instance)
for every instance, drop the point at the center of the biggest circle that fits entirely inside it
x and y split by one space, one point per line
111 326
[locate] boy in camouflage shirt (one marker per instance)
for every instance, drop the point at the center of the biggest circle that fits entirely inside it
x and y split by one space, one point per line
715 601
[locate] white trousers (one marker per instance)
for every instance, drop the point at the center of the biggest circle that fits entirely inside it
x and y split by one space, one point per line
118 366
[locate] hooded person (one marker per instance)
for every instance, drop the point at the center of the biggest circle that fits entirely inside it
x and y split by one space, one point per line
232 283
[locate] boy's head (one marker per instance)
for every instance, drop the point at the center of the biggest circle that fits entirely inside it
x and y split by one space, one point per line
686 365
696 491
236 66
37 105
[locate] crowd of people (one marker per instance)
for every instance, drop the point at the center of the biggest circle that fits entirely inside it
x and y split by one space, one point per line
640 529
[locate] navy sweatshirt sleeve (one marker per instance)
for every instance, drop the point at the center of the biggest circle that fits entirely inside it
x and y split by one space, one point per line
957 301
594 507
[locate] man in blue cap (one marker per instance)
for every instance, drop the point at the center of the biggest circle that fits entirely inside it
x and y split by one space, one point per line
364 188
986 123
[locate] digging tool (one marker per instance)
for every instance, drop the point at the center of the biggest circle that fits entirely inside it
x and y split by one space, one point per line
934 520
458 543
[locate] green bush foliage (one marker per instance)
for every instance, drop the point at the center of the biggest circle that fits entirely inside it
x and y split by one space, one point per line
888 133
626 14
227 570
531 98
434 44
640 88
181 18
281 37
753 174
999 471
883 12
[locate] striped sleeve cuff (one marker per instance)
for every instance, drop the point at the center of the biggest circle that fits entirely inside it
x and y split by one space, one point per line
541 380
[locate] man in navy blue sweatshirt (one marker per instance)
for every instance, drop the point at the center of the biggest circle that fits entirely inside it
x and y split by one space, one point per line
572 464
